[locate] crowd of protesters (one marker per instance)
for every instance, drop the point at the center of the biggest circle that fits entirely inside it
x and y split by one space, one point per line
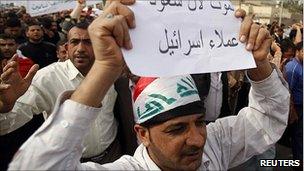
60 44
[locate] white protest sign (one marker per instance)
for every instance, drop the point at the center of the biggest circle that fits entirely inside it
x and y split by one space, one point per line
36 8
177 37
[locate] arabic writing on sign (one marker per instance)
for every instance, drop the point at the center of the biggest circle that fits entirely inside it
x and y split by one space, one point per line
193 5
38 7
193 36
176 42
46 4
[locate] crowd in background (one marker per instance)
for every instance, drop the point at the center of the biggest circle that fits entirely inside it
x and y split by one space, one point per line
43 40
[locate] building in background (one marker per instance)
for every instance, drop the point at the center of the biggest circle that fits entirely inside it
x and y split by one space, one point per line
267 11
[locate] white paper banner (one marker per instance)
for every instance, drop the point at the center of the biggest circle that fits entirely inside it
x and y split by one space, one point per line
180 37
36 8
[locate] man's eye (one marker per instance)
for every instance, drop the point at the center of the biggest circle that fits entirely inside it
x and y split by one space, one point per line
176 130
74 42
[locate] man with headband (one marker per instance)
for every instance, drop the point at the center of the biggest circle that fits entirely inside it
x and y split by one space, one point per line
169 113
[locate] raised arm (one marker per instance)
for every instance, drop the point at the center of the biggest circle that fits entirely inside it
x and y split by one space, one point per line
56 145
298 38
75 14
233 140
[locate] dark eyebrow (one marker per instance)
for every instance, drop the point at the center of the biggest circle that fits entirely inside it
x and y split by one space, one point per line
201 117
173 126
74 39
181 123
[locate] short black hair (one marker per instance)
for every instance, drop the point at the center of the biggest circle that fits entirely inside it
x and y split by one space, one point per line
67 24
32 23
12 15
13 22
82 25
46 22
6 37
287 44
293 33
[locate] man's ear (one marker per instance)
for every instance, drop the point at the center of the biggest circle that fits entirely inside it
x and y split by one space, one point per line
143 134
26 34
66 46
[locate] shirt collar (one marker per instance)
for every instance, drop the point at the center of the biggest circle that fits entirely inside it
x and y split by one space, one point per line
72 70
142 156
149 161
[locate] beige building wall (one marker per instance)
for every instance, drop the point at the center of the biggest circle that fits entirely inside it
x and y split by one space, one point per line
264 13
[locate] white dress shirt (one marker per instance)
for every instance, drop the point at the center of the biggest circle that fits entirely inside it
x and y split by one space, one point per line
56 145
213 101
47 85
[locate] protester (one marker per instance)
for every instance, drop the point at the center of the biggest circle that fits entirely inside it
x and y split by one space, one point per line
294 75
41 52
13 28
50 33
172 138
278 34
26 19
288 51
101 143
296 33
61 51
8 46
10 143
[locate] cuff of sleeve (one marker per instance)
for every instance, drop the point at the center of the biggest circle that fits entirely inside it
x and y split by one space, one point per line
268 86
78 114
69 122
72 117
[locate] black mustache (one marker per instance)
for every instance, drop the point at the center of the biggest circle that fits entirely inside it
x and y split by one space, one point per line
191 150
81 55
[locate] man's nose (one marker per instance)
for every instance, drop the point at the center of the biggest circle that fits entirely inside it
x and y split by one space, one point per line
80 47
196 136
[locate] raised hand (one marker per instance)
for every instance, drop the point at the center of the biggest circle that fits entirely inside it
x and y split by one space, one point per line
258 40
110 32
13 85
81 1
